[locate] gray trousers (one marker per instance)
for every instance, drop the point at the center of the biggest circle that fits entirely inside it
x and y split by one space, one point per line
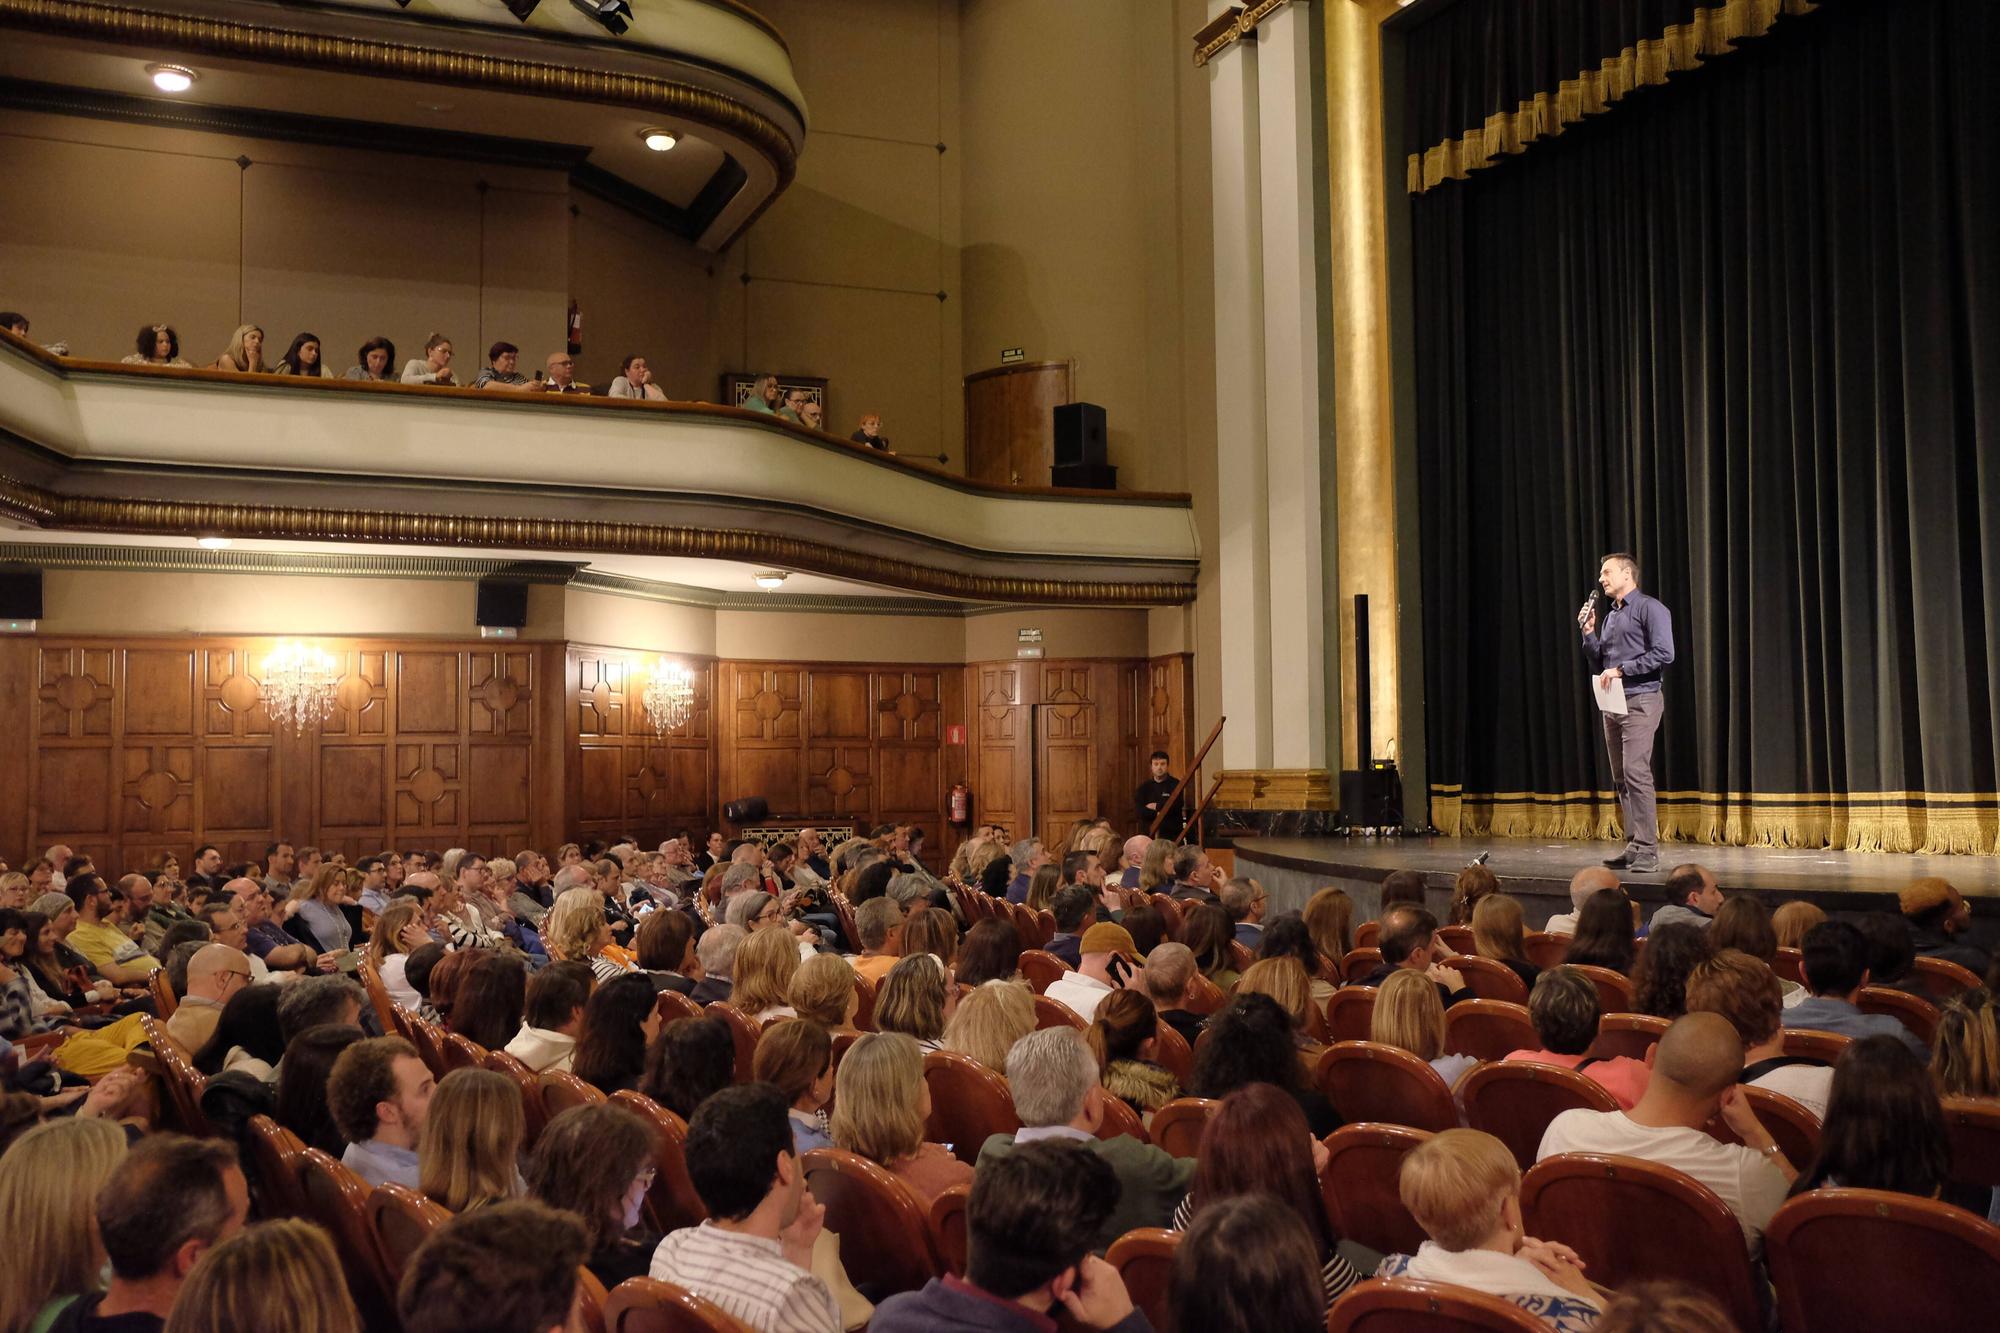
1629 741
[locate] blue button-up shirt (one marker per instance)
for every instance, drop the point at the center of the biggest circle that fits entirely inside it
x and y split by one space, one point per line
379 1163
1636 636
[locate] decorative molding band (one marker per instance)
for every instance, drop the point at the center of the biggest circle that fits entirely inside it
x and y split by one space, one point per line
1275 789
680 594
170 560
37 507
1236 24
405 60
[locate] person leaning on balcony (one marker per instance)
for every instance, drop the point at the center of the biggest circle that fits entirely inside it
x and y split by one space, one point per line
435 368
500 372
245 353
562 375
158 345
763 395
376 357
635 381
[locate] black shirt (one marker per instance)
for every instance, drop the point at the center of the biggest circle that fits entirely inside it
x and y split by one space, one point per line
878 442
1157 793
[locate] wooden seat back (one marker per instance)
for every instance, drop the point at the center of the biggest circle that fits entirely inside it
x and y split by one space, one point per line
1614 989
671 1005
1360 960
1359 1186
531 1093
1398 1305
1791 1126
1515 1100
274 1152
400 1219
1055 1014
1973 1123
1120 1118
1350 1013
1806 1043
969 1103
1630 1035
1543 949
1144 1259
648 1305
1040 968
742 1031
1204 996
1177 1126
337 1199
1488 1029
947 1226
1850 1259
462 1052
672 1202
563 1091
1458 939
1172 1052
885 1239
1369 1080
1916 1013
1490 979
1943 978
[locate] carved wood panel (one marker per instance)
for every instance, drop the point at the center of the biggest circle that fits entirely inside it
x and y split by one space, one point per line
626 775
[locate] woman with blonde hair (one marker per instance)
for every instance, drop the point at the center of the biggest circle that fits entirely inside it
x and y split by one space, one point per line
986 1024
245 353
1284 980
762 977
1498 932
49 1181
1965 1050
1156 870
1329 918
823 990
1410 1016
1793 920
273 1275
1042 886
317 905
398 930
469 1150
880 1104
916 999
575 932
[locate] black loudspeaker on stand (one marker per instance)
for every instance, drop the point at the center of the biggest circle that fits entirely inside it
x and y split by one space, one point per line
1371 797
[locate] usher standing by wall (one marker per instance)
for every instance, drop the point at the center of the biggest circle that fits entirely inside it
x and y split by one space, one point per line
1154 793
1636 645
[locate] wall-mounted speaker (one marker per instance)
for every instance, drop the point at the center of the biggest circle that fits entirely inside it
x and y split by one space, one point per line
749 810
1079 435
20 597
502 604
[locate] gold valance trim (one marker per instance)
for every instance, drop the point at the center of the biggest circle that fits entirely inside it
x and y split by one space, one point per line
1711 31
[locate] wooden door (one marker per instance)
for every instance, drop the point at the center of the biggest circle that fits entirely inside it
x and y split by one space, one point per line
1010 421
1066 759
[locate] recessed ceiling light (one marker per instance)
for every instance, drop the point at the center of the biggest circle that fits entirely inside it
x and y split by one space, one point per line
171 78
771 580
212 543
659 140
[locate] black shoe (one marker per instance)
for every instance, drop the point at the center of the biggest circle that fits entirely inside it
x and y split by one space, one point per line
1620 861
1644 865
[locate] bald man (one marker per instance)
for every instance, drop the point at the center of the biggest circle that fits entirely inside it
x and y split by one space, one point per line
1695 1068
215 973
1589 880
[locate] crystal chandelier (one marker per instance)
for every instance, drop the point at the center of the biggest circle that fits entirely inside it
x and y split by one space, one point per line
669 696
299 680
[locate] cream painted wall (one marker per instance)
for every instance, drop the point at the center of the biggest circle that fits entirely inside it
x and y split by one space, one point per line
814 637
1066 632
644 293
92 601
635 622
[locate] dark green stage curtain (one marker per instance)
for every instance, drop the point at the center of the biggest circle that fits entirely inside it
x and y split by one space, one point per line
1746 326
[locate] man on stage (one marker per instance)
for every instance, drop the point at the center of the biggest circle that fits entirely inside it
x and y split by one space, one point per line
1636 645
1154 793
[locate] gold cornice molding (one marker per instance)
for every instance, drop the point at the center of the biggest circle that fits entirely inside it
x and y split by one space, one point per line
128 26
1232 25
52 511
1274 789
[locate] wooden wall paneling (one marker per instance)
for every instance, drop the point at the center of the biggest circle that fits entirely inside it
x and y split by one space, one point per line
72 769
548 801
18 703
348 758
667 786
240 783
1000 735
499 743
622 775
767 704
428 759
910 788
1170 709
1009 421
1067 740
156 754
597 688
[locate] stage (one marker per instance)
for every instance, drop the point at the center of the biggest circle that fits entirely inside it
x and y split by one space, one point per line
1538 872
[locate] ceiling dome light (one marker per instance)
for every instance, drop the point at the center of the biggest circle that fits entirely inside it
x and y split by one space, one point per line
171 78
771 580
659 141
212 543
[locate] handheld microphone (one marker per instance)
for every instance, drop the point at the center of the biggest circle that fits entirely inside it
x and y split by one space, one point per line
1588 611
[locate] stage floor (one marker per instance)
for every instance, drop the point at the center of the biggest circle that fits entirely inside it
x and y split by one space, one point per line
1524 865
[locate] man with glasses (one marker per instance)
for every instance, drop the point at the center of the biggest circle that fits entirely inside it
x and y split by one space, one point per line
562 375
266 938
215 973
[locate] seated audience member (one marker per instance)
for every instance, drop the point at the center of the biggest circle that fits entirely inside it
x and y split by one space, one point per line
1603 936
1169 971
1156 867
1792 920
795 1056
812 416
1194 875
379 1092
281 1274
1695 1068
435 367
508 1268
763 396
1285 981
869 432
880 1104
916 999
1745 991
399 929
376 361
1404 888
502 358
789 411
98 933
1143 923
1565 1010
575 931
717 950
1247 1266
1965 1056
1257 1143
252 903
247 1036
1883 1128
302 358
551 1017
157 345
1470 887
1042 886
1408 941
1583 886
1409 1016
316 911
635 381
1745 924
620 1019
1054 1081
1244 900
1892 954
1253 1041
1464 1189
690 1061
1939 918
245 353
1107 960
214 973
49 1181
1664 1307
1121 1038
1131 859
1287 936
988 1022
596 1163
1075 910
1206 931
1693 898
302 1103
1498 933
469 1150
824 990
763 971
1836 970
561 368
1659 978
929 930
753 1254
996 876
879 922
991 951
489 999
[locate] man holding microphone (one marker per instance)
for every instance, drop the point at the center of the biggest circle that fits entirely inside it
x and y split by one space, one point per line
1635 645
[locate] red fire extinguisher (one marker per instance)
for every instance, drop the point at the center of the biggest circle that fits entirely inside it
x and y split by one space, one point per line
961 803
575 328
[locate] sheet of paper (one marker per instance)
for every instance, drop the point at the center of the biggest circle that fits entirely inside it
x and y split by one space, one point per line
1610 694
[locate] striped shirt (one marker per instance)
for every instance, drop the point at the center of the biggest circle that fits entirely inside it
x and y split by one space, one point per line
749 1277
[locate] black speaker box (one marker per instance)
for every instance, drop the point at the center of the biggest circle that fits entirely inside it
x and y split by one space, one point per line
746 811
20 592
1372 797
1079 434
502 603
1089 476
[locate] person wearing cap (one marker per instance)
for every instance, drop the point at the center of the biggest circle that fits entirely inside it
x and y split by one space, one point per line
1938 917
1107 959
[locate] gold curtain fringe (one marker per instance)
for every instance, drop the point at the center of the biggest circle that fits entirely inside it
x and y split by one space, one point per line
1711 31
1941 826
